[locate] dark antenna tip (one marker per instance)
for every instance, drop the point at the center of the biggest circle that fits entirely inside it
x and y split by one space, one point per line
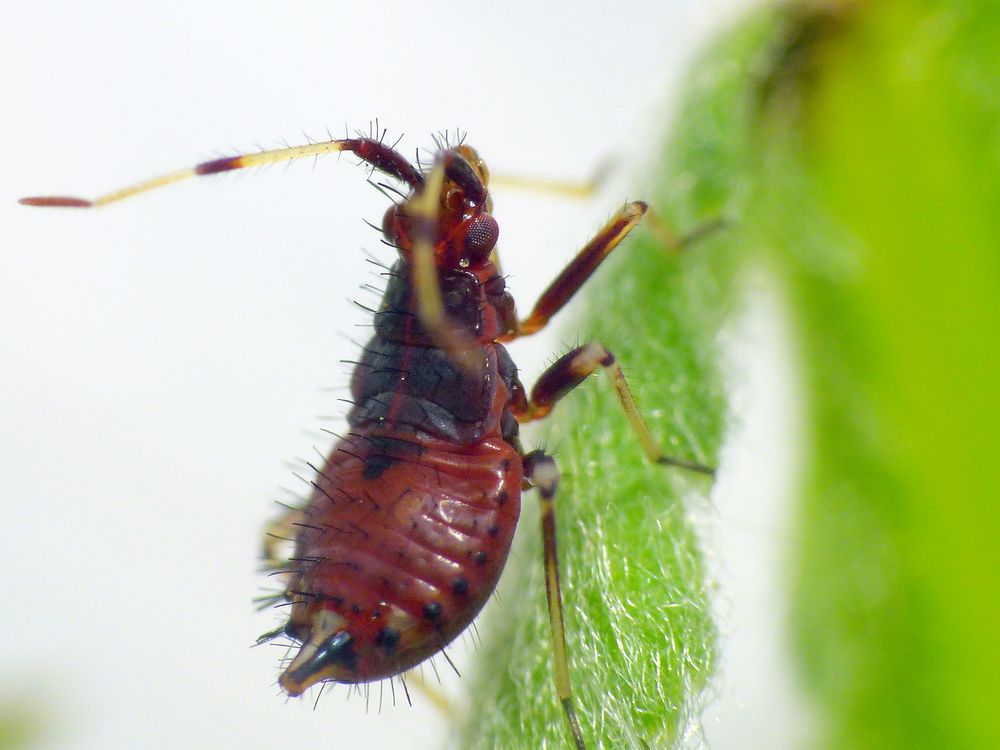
57 201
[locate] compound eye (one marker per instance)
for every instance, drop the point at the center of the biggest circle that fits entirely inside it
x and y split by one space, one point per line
480 238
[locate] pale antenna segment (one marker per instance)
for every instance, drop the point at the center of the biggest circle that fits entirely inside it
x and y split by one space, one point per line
226 164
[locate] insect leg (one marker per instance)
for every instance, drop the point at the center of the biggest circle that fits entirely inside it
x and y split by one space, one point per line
572 369
573 276
565 188
576 273
541 471
370 150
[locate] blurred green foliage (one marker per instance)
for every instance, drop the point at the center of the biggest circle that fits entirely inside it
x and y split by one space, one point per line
20 723
898 139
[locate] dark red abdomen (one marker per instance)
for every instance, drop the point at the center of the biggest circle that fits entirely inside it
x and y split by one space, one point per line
409 557
412 516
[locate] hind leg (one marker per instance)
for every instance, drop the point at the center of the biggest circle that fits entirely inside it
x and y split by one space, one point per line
541 471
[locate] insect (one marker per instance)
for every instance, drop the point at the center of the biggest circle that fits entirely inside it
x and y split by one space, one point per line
411 518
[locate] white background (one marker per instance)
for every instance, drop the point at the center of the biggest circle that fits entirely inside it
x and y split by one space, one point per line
163 358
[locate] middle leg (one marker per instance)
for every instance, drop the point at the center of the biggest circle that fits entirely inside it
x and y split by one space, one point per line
571 370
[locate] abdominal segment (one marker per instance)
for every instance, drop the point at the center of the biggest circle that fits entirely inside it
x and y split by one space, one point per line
398 550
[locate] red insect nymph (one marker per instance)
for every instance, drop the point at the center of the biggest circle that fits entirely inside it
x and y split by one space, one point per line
411 517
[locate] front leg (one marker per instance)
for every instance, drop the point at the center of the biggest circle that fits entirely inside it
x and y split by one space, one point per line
574 275
610 236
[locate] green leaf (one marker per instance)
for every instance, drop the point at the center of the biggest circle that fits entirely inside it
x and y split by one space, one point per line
641 639
638 626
